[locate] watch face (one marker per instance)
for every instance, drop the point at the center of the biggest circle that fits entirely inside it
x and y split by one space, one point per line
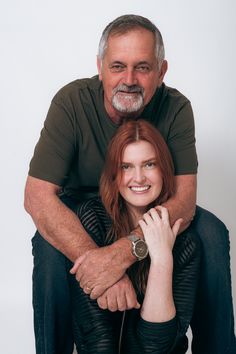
141 249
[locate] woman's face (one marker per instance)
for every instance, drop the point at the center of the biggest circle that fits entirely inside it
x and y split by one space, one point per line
141 178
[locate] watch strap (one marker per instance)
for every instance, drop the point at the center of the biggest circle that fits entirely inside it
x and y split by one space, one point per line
133 238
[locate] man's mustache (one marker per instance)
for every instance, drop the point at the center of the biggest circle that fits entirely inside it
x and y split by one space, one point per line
128 89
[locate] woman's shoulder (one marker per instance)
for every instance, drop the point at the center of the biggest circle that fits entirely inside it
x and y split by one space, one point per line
90 205
187 247
93 216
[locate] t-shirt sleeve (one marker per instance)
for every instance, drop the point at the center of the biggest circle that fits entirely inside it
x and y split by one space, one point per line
56 147
181 141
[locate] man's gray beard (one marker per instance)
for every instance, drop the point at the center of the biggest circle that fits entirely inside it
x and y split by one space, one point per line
128 103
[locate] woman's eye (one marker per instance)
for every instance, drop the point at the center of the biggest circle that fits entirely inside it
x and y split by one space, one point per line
125 167
150 164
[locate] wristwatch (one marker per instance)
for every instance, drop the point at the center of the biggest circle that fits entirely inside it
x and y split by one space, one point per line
139 247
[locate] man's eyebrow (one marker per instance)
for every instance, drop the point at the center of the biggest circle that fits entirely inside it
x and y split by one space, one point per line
143 62
116 62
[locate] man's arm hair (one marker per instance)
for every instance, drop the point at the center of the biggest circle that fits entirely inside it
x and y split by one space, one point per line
54 220
183 203
62 228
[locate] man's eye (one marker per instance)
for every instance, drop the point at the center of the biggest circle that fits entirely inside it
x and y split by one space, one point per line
117 68
143 68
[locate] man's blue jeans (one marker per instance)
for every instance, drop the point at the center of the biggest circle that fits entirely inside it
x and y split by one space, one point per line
212 324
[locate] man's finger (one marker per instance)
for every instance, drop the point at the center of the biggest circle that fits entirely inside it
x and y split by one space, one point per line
77 263
96 292
132 302
87 289
102 302
121 302
112 303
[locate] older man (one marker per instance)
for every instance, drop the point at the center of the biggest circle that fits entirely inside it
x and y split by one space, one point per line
66 168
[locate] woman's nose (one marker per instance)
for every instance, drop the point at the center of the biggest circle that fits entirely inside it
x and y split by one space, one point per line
139 175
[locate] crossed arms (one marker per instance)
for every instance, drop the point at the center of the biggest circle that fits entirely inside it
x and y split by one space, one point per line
63 230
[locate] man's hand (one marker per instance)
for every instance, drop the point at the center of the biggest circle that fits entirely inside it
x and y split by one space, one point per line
119 297
98 269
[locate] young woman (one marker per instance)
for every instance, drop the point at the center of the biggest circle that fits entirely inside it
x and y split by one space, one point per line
138 175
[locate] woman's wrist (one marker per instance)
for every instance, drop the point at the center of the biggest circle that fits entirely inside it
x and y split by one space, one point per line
162 259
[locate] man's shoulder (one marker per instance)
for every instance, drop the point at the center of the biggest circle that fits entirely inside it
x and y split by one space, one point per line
166 103
78 86
172 94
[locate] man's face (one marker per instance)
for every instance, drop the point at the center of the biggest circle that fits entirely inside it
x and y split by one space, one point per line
129 72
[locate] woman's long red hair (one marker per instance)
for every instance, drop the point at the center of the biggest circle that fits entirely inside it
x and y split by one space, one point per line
129 132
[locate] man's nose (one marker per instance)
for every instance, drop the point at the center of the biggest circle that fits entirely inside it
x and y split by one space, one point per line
130 77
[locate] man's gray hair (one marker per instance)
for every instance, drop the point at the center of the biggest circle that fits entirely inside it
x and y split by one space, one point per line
126 23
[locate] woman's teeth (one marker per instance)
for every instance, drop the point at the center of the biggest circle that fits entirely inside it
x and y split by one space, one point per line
139 188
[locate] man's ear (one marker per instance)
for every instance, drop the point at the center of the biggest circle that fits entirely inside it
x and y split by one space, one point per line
99 67
163 70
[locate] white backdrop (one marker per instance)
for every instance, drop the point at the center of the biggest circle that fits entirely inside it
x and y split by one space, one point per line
46 44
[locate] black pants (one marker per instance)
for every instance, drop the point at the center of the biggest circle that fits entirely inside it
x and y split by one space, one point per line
212 324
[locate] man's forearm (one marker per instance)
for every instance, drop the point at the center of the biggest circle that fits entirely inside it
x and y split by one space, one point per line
63 230
55 222
183 203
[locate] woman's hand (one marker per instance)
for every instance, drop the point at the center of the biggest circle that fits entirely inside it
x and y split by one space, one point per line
160 238
158 234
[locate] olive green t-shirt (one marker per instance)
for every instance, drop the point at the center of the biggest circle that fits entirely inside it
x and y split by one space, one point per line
73 142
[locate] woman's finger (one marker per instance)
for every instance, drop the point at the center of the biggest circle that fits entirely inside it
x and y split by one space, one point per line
176 226
154 214
147 218
143 225
164 214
